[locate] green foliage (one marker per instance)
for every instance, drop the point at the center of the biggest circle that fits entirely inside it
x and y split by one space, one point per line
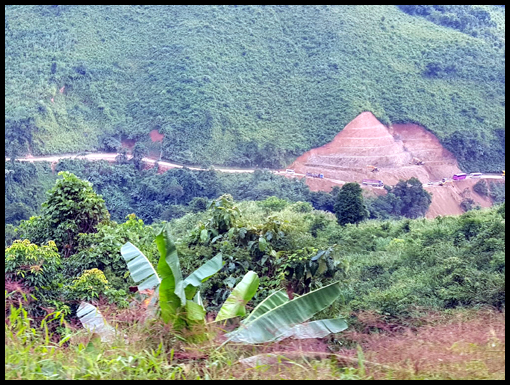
273 203
349 206
274 320
251 85
72 207
497 192
35 266
235 305
481 187
101 250
407 198
179 301
468 204
88 285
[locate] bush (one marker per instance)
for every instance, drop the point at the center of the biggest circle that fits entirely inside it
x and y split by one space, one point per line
481 188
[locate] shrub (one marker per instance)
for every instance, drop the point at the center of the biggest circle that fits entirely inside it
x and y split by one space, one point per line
36 266
481 187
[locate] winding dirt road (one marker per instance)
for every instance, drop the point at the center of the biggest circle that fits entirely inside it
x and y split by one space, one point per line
110 157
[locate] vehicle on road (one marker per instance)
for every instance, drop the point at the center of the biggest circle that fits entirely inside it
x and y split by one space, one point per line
289 171
373 182
459 176
475 175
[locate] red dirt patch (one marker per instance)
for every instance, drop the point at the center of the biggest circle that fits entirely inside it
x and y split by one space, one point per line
156 136
366 141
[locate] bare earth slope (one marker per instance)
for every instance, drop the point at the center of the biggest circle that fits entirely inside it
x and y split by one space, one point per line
367 142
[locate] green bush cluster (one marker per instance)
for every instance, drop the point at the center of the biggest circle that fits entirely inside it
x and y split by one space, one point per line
392 267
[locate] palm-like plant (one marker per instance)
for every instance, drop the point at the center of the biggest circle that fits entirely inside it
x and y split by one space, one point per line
275 318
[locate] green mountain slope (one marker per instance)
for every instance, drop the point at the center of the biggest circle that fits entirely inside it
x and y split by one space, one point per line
251 85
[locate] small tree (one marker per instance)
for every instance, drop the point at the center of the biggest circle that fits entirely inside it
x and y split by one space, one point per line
140 151
349 206
72 207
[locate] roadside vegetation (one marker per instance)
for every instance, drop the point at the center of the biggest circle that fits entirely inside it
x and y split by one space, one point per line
251 85
377 283
128 188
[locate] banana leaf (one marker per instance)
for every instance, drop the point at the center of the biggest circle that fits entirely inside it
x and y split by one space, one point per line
278 321
168 264
170 272
194 311
243 292
316 329
195 279
93 321
276 299
141 269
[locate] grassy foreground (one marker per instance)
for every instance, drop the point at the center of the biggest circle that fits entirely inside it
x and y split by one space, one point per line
456 345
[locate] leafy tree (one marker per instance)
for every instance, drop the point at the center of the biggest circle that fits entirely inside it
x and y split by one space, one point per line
273 204
481 188
72 207
35 266
349 206
414 201
197 205
140 151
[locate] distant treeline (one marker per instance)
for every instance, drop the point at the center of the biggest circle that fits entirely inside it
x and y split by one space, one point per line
155 197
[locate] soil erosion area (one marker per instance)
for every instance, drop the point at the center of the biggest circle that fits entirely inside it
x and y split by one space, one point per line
366 143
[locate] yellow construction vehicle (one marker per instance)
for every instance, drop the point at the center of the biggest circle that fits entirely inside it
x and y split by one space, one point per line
503 173
374 169
417 162
445 181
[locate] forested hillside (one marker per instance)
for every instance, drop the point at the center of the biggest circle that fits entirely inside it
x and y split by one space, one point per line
251 85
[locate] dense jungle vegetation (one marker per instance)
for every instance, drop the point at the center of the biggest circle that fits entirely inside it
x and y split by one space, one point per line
396 269
128 188
251 85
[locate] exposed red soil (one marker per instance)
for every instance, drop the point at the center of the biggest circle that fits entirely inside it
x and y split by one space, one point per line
367 142
156 136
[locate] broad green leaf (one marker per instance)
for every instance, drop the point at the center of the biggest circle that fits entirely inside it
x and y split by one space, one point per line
204 236
198 299
168 265
169 262
194 311
243 292
169 302
317 329
278 321
141 269
276 299
190 291
262 244
202 274
93 321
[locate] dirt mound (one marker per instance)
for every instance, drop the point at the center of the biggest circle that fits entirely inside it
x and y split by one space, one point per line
366 142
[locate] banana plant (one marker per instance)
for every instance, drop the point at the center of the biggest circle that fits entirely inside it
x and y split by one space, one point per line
235 305
277 317
179 299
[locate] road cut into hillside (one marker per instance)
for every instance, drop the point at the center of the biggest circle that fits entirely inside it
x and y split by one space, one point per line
366 144
363 145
